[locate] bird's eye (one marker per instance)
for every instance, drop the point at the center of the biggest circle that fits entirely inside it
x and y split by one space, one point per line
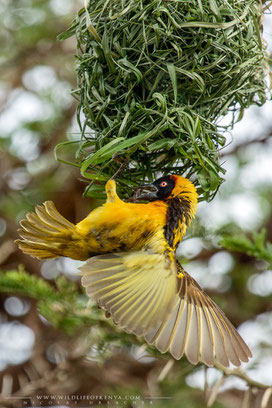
163 184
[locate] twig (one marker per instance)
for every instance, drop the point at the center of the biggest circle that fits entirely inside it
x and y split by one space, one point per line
267 6
266 397
121 168
166 369
237 372
206 384
247 397
214 392
6 386
241 146
6 249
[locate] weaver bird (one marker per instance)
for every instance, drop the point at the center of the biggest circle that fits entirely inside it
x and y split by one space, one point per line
133 274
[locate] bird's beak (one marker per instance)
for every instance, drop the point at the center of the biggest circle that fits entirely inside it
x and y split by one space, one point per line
147 192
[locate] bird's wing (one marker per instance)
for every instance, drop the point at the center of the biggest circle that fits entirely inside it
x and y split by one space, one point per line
137 289
198 328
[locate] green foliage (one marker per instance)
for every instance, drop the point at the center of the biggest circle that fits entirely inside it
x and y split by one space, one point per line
66 308
256 246
154 77
20 282
62 306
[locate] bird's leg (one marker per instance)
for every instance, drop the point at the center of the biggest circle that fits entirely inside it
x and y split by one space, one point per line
172 259
180 274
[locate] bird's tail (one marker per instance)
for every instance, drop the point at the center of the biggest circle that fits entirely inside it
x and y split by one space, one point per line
47 234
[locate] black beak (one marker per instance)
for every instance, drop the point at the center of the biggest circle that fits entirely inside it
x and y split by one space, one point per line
147 192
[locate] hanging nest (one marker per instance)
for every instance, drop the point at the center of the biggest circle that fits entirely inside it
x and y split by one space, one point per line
155 77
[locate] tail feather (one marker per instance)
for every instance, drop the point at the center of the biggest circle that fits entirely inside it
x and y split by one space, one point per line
47 234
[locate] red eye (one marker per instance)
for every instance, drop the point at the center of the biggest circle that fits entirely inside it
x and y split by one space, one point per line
163 184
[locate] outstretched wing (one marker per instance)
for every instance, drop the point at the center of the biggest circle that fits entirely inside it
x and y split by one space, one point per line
137 289
198 328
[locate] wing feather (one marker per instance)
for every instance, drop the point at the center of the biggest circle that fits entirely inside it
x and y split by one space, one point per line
219 344
198 328
143 295
177 345
206 340
137 288
194 333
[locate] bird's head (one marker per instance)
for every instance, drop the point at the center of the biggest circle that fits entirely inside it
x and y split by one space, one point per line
168 188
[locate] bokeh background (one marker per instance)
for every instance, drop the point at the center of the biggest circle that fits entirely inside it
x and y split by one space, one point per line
53 343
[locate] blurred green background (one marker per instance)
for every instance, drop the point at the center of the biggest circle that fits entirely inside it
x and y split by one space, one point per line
54 348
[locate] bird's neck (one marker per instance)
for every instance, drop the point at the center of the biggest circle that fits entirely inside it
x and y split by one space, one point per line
180 212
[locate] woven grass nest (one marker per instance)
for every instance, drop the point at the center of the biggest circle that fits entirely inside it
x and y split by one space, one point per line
155 77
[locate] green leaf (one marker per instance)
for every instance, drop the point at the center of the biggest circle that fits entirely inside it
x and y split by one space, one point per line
254 246
173 77
96 157
60 146
163 143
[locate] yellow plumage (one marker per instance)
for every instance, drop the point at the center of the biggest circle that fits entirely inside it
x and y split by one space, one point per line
132 273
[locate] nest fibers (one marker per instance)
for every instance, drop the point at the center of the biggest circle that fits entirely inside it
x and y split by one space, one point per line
155 76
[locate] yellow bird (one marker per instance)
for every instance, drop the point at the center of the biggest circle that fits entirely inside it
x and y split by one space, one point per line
133 274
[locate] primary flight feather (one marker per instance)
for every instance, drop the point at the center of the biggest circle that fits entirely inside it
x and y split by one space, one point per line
132 273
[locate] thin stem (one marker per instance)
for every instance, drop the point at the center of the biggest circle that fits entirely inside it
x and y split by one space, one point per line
237 372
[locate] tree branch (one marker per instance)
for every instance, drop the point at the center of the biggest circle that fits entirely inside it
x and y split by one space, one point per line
237 372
